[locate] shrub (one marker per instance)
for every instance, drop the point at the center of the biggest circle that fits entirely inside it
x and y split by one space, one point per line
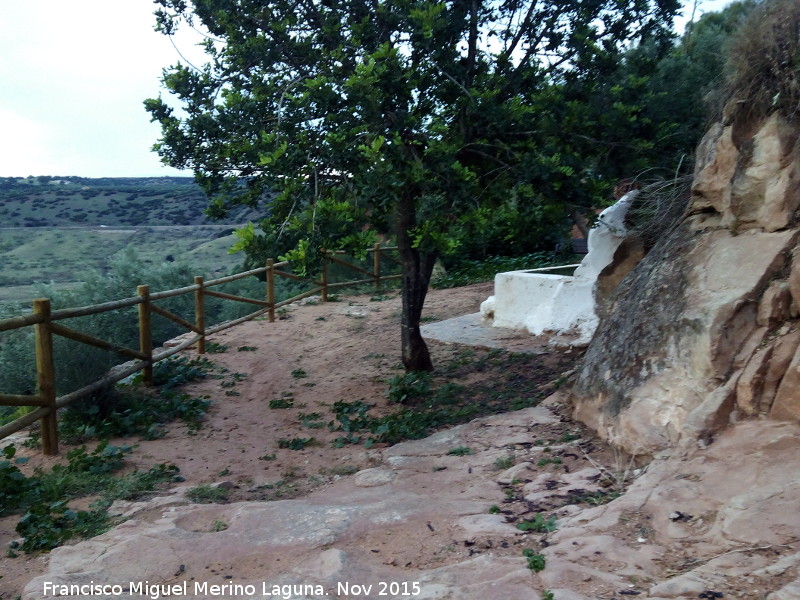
763 68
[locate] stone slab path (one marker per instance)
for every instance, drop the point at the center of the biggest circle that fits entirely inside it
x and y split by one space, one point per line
721 519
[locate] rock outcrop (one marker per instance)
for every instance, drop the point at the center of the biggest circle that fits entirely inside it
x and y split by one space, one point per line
704 330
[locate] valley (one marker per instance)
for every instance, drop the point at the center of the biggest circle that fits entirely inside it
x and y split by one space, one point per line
56 230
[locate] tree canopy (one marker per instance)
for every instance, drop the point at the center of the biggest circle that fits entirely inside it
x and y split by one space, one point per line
418 119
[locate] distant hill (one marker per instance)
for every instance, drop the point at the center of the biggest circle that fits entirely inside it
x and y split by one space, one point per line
47 201
57 229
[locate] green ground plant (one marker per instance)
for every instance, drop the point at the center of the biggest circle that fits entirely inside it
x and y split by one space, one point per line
460 451
284 402
409 387
503 463
539 524
215 348
297 443
43 497
218 526
207 494
128 410
536 561
430 401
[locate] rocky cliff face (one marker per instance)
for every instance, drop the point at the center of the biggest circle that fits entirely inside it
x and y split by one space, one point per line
704 330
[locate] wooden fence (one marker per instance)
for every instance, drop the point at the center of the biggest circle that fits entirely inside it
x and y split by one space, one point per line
44 321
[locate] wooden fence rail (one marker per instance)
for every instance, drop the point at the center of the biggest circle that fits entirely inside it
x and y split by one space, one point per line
43 319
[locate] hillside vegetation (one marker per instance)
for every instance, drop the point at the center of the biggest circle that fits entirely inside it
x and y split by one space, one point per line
111 201
57 229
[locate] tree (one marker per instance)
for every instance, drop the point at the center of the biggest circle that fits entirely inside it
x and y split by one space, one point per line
407 117
686 83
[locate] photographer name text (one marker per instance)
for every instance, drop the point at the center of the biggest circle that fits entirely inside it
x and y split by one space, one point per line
155 591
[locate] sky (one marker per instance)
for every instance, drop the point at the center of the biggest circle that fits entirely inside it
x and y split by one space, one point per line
73 78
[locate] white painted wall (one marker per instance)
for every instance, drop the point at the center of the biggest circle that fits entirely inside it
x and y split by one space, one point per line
559 304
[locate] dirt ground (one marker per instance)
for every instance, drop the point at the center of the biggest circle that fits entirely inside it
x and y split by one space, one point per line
312 356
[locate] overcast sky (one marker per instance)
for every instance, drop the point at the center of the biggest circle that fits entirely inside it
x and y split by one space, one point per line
74 75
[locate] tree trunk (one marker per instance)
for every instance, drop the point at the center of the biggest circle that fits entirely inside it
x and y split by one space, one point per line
417 269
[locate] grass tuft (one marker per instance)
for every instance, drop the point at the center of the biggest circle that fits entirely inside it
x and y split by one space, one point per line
763 66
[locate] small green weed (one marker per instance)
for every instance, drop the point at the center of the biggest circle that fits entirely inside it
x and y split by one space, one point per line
246 349
287 402
268 457
409 387
350 438
291 473
543 462
539 524
536 561
340 470
297 443
299 374
460 451
177 371
503 463
595 498
494 509
548 595
14 486
215 348
352 416
218 526
207 494
311 420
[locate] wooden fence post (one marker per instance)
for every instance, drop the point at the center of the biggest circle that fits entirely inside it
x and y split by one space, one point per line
324 275
200 314
46 375
271 289
376 265
146 333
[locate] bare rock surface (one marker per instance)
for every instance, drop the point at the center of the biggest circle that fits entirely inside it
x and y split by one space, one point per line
684 526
